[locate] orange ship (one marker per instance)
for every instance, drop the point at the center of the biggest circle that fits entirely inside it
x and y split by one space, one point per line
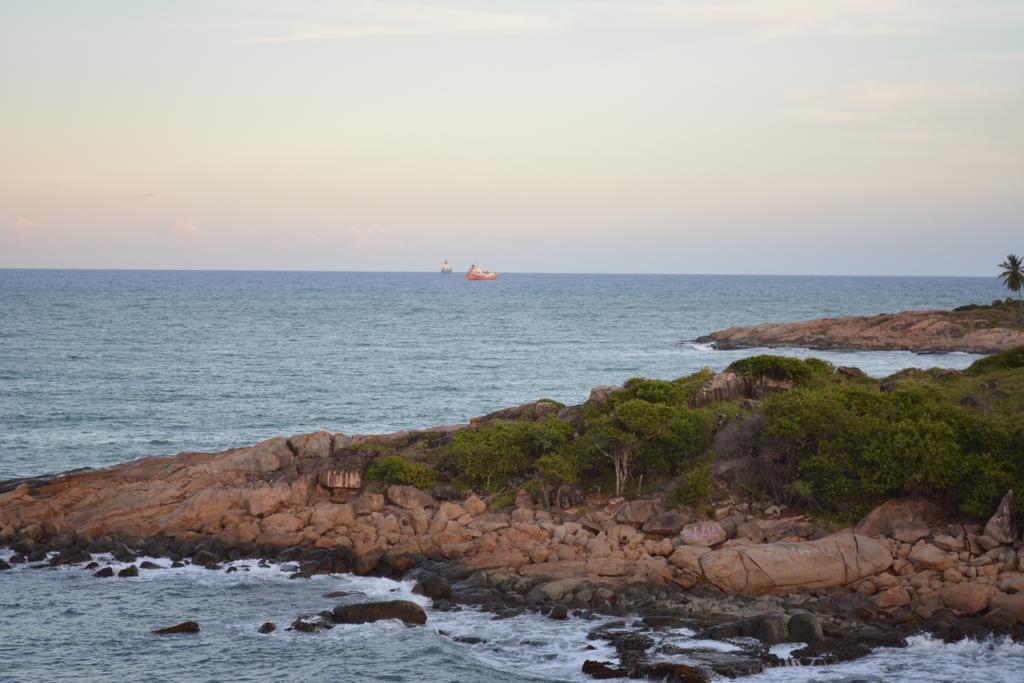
475 272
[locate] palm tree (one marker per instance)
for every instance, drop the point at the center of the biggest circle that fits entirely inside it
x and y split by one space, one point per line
1013 277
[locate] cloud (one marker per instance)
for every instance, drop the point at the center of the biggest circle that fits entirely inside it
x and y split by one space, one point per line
21 225
871 18
374 21
184 228
879 101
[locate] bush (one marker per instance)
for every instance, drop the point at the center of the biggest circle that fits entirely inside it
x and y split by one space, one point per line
781 368
393 469
1007 360
694 490
843 449
556 468
488 457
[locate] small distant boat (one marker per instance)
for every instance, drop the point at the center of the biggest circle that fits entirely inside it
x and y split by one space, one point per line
445 268
477 273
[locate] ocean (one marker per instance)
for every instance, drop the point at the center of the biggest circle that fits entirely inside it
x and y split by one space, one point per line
98 367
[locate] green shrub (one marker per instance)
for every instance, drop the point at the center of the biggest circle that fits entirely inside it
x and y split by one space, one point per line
694 490
556 468
393 469
781 368
489 456
1007 360
843 449
502 501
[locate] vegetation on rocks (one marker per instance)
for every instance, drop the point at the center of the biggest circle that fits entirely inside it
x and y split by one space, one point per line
393 469
782 368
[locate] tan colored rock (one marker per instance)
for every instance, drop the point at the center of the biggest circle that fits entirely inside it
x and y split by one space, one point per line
409 497
668 523
786 567
910 532
366 503
900 511
927 556
1011 605
966 599
1002 527
20 491
315 446
947 542
636 512
474 506
607 566
892 597
706 533
267 456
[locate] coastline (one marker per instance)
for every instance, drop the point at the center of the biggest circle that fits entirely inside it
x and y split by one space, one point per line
758 570
982 330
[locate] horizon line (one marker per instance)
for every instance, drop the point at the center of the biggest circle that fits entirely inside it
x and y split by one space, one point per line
509 272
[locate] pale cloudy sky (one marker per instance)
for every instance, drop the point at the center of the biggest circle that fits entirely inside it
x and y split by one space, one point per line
692 136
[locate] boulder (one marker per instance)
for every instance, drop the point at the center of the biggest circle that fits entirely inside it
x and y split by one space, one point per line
1010 605
474 506
968 598
315 446
787 567
266 456
1002 527
910 532
706 533
636 512
897 596
128 572
750 531
409 497
267 627
602 670
723 386
403 610
886 517
927 556
668 523
327 516
184 627
432 586
805 627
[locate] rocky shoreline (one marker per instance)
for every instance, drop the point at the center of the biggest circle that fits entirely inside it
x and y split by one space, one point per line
747 571
967 331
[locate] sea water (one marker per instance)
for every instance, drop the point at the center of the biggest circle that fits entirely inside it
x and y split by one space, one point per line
97 367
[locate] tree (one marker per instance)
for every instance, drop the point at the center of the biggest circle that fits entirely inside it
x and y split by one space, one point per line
1013 277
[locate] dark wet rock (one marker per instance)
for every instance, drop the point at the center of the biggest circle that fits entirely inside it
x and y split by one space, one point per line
267 627
805 627
105 573
291 554
403 610
662 621
231 570
177 564
672 672
602 670
205 558
92 565
559 612
150 565
122 553
4 566
25 546
72 556
469 640
432 586
37 555
18 558
768 628
340 594
128 572
316 625
184 627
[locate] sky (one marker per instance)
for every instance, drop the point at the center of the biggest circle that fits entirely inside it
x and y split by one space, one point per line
687 136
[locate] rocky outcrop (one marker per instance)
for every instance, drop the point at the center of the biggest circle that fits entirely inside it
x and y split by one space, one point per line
922 331
786 567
